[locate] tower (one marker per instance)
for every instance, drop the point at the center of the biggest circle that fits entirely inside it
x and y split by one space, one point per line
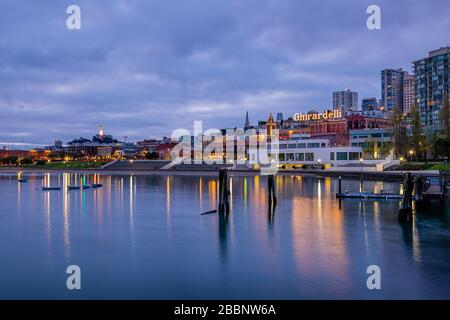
101 131
271 125
247 122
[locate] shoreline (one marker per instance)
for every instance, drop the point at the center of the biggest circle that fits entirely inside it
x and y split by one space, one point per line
349 174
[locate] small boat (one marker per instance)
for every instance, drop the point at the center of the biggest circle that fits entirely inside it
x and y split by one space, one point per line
73 187
22 180
96 185
85 186
50 188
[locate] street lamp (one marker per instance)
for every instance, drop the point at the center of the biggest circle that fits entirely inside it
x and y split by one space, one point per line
401 164
361 160
411 154
319 161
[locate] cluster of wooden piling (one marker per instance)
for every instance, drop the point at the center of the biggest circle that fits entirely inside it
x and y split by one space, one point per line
422 194
224 193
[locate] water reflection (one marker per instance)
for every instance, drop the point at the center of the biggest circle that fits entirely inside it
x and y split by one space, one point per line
310 245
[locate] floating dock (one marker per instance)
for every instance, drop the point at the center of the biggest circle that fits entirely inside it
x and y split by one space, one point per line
51 188
369 195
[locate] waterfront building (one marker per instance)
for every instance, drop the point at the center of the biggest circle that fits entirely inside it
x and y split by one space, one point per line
392 88
376 143
345 101
164 150
360 121
409 96
301 150
432 83
58 144
369 104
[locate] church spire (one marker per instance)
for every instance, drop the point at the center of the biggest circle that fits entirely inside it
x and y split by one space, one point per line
247 124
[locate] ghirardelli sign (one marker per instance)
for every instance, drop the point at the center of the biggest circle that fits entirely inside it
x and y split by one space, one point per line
327 114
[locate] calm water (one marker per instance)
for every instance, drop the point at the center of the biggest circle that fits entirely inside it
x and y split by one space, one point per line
143 237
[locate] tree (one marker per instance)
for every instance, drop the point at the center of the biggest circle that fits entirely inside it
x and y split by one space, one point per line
417 138
430 143
442 148
400 134
444 115
151 156
9 160
25 161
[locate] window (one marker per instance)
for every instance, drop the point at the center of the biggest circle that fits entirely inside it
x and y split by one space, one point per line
331 156
309 156
281 156
292 146
322 145
290 156
283 146
341 156
299 157
353 155
302 145
313 145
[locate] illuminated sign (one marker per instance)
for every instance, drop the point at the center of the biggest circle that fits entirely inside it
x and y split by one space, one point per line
327 114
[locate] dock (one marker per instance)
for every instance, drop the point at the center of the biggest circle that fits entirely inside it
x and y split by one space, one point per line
369 195
434 193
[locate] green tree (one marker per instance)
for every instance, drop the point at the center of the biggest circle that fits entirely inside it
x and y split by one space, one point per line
25 161
444 115
442 148
418 137
9 160
429 143
400 133
151 156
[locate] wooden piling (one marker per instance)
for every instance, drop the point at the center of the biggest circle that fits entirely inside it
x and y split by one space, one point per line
224 205
419 188
271 190
272 199
405 212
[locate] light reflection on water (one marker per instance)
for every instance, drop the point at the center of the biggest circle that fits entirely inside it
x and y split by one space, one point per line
143 237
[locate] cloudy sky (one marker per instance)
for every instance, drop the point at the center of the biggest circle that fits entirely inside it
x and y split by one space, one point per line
145 67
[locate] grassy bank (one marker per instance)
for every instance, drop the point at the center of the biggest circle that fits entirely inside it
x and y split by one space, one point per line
63 165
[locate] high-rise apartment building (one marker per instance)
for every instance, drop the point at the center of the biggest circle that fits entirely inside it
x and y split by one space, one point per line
392 88
409 96
345 101
369 104
432 83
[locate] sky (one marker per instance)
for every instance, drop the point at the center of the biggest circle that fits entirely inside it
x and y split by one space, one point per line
142 68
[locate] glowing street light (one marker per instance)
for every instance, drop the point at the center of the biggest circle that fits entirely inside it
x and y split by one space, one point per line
361 160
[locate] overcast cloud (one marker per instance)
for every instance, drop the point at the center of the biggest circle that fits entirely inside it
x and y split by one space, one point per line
145 67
